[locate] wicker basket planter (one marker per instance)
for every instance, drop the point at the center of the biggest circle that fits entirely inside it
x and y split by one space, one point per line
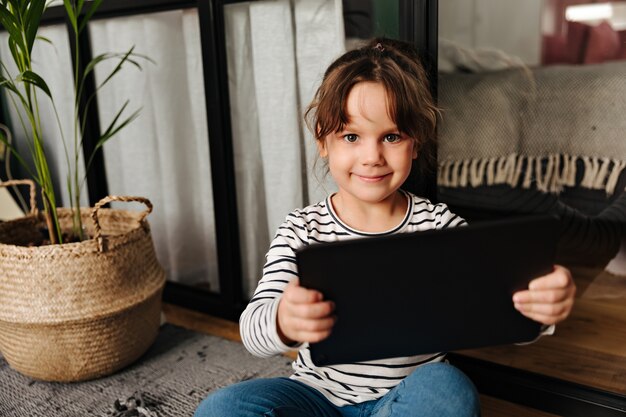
82 310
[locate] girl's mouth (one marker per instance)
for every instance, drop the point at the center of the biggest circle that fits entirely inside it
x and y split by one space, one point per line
372 178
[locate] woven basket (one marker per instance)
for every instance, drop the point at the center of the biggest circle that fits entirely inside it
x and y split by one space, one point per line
78 311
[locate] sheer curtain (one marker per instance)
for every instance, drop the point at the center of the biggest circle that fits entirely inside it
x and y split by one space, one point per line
164 154
277 52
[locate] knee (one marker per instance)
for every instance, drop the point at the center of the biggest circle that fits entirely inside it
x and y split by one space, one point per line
218 403
255 397
445 384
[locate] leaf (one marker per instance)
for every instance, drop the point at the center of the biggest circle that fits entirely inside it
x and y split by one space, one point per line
95 61
118 66
69 8
122 125
107 133
112 131
4 139
94 6
12 26
125 57
44 39
32 19
103 57
17 5
34 79
9 85
16 52
15 153
7 19
23 5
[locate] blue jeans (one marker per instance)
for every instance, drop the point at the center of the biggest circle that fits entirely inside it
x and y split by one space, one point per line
436 389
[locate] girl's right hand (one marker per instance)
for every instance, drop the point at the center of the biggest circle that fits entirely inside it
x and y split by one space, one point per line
303 315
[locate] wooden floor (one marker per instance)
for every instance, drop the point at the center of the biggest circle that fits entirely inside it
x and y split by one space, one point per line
589 348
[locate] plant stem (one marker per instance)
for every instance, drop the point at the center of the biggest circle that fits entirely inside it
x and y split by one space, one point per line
77 224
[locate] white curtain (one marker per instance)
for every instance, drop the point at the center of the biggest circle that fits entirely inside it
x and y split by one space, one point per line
277 52
164 154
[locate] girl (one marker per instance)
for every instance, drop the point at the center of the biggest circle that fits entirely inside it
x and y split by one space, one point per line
371 115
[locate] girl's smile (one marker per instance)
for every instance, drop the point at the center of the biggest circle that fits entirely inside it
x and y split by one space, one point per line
372 178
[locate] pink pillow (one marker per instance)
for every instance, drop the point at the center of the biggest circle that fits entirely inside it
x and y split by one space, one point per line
584 44
622 43
603 44
554 50
576 36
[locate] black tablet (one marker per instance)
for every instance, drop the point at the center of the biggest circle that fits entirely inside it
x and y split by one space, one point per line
427 292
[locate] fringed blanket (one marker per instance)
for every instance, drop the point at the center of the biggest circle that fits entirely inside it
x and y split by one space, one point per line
551 173
546 128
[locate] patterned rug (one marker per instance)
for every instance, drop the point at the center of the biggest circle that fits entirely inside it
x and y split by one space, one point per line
171 379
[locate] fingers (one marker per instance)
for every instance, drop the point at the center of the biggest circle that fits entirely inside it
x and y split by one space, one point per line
554 287
304 330
296 294
549 299
546 313
305 303
303 315
559 278
309 310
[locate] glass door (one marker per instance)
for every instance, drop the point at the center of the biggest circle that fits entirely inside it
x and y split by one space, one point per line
533 98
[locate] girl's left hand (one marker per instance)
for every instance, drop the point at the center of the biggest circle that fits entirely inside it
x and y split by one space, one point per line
549 299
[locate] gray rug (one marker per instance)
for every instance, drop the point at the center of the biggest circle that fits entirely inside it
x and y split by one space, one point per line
171 379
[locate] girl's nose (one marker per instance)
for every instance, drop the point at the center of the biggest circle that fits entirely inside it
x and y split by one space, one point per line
371 153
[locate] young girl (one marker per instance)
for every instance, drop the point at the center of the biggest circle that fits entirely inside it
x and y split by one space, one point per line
371 114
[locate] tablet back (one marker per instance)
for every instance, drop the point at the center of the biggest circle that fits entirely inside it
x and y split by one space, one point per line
428 292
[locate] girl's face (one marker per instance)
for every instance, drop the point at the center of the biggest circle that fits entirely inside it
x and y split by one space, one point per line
369 159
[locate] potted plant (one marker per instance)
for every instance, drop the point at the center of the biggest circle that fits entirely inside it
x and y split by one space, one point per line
84 301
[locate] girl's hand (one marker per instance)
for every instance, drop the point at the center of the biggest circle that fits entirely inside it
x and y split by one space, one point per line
303 316
549 299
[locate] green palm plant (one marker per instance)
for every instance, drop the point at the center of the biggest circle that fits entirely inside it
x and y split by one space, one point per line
21 19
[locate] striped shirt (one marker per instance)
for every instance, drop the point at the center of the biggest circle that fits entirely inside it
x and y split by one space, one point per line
343 384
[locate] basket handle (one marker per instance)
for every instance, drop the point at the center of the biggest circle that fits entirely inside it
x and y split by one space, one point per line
106 200
33 191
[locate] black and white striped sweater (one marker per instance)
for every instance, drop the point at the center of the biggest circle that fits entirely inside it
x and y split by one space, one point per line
346 383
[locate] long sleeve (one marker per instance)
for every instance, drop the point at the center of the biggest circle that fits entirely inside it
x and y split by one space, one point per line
444 218
258 323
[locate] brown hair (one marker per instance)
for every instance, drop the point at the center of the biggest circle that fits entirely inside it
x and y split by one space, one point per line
395 65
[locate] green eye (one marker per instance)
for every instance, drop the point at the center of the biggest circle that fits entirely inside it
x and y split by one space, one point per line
392 138
350 138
